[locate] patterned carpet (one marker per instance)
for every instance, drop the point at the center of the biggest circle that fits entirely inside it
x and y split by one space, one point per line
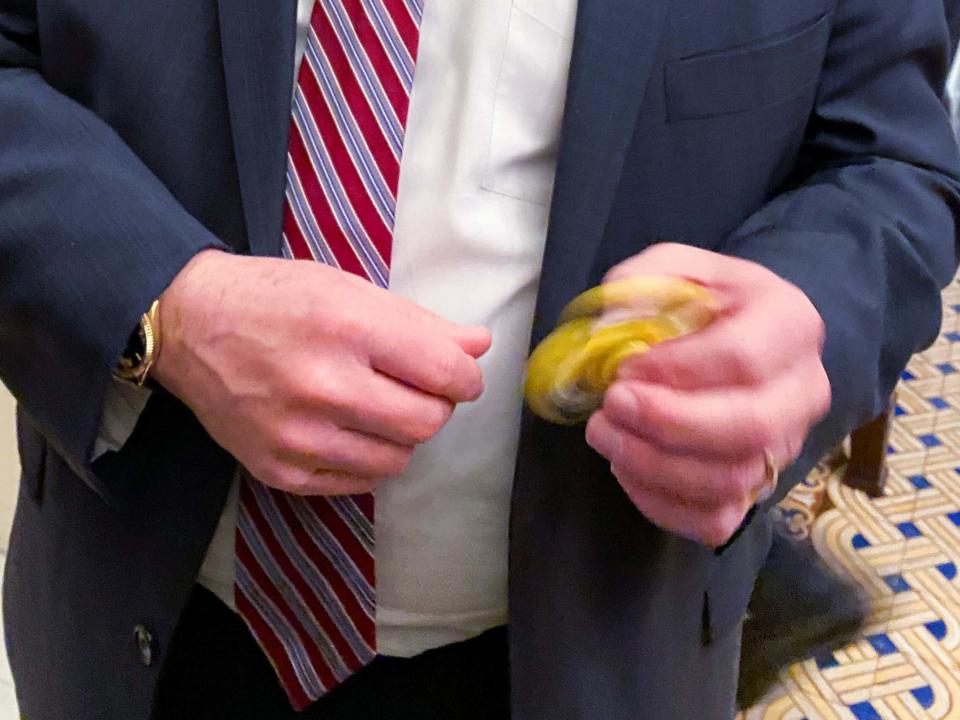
903 548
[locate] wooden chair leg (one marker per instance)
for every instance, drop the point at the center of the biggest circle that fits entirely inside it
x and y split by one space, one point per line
866 469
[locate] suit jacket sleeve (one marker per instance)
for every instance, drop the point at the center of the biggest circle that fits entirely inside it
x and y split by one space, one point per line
868 226
88 238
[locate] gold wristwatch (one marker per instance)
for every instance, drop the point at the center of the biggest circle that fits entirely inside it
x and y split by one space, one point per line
142 349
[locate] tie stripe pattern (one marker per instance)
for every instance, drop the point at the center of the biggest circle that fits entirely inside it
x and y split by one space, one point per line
305 576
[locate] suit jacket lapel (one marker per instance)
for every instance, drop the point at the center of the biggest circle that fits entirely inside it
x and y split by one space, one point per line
615 43
258 40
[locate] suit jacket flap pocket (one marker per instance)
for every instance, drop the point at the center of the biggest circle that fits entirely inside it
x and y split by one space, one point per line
764 73
732 578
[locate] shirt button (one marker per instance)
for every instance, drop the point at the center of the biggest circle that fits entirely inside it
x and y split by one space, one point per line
146 644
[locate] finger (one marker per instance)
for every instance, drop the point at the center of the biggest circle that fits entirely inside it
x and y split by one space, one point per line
333 483
703 266
745 348
705 484
712 528
342 451
296 480
474 340
729 423
432 363
753 336
362 399
383 407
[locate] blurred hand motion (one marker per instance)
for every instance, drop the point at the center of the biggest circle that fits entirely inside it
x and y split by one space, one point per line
691 426
318 382
571 369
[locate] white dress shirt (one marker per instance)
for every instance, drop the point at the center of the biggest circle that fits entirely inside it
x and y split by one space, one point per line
476 177
953 94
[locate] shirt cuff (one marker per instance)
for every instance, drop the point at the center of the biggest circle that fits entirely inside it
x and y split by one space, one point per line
124 405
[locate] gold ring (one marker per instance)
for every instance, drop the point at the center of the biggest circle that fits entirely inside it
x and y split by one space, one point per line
771 475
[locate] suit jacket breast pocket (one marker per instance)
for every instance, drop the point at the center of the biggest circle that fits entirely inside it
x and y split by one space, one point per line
529 101
764 73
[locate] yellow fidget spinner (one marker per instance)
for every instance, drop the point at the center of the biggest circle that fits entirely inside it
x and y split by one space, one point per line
569 371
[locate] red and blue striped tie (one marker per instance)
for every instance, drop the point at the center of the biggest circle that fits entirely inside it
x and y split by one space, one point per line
305 581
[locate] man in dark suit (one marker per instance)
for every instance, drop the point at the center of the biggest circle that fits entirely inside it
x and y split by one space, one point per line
805 167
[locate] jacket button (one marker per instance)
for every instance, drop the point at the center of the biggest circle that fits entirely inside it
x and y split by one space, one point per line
146 644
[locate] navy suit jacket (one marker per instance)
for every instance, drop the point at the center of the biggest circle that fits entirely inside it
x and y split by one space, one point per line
806 135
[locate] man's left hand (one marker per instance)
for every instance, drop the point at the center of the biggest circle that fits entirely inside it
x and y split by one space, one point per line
689 425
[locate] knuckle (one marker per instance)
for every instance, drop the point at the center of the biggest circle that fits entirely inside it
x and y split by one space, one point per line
298 483
823 396
443 410
625 269
330 392
332 483
421 432
761 430
811 327
732 521
351 323
287 439
315 386
333 451
282 477
361 486
266 473
761 275
288 383
720 528
711 534
663 248
398 460
432 420
339 397
819 331
746 361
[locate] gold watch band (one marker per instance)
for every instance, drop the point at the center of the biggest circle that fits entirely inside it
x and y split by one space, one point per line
135 367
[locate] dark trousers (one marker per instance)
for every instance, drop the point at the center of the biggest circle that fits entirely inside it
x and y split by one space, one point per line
215 670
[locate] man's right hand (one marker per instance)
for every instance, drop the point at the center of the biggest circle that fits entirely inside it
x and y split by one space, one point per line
317 381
